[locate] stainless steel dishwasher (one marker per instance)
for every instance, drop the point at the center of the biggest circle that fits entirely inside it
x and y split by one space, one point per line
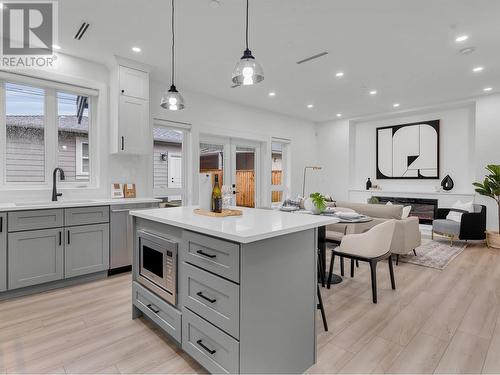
121 236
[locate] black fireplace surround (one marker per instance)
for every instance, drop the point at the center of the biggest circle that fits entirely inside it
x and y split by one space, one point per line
424 209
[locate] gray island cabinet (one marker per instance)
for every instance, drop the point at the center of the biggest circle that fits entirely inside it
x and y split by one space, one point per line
246 287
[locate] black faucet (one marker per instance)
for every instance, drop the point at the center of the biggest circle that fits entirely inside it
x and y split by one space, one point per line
55 194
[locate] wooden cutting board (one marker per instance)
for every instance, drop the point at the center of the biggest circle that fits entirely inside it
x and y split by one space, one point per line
224 213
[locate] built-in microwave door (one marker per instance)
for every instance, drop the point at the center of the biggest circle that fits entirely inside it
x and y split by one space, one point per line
153 262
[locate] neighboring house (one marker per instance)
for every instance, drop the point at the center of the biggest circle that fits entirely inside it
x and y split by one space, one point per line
25 161
167 158
25 151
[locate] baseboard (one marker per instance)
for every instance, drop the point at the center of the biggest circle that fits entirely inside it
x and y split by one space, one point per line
53 285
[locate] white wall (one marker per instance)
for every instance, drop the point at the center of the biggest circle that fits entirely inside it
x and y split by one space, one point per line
470 137
211 115
487 140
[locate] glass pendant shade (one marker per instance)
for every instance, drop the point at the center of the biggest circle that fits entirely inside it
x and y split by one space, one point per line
247 71
172 100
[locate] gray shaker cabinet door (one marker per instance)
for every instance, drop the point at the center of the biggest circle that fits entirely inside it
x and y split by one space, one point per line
3 252
35 257
86 249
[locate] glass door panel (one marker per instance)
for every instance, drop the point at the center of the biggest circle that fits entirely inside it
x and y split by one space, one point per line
212 160
245 176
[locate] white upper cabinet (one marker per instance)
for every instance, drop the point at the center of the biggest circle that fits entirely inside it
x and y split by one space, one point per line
129 101
134 83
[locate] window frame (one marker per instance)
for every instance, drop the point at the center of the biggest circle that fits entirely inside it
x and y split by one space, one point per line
51 89
80 174
165 191
285 186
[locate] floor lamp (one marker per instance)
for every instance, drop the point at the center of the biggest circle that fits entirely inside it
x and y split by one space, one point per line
314 168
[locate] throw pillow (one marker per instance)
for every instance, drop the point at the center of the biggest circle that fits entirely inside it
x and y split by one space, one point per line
457 215
406 212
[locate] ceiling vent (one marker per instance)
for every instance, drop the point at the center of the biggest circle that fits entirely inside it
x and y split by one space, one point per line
313 57
81 31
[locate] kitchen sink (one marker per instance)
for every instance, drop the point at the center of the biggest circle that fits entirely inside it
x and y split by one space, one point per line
50 203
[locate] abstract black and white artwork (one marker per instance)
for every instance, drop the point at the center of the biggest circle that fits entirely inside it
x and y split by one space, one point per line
408 151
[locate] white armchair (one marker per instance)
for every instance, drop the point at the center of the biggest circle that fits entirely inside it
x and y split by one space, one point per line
372 247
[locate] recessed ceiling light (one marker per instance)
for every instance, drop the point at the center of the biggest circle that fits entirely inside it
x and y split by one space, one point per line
339 114
272 93
136 49
396 105
373 92
478 69
310 106
487 89
56 47
339 74
214 3
461 38
467 50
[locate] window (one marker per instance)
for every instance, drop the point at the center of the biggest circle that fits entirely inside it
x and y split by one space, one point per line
25 134
73 136
279 177
47 125
168 162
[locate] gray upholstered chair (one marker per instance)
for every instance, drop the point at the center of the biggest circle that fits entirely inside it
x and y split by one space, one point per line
471 227
372 247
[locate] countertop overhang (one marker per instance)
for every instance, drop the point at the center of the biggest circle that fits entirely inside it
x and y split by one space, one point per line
5 207
254 225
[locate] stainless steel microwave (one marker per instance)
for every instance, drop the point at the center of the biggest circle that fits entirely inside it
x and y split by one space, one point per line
158 265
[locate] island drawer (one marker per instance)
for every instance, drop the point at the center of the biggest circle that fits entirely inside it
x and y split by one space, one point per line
35 219
212 348
86 215
213 298
160 312
214 255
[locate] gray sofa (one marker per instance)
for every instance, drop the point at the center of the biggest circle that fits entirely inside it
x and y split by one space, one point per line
406 237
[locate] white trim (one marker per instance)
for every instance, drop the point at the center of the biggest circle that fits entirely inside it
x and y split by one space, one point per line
48 83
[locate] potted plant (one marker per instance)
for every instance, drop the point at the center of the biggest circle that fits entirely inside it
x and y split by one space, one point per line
490 187
316 203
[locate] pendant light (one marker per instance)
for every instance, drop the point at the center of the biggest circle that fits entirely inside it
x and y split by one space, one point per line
172 99
247 71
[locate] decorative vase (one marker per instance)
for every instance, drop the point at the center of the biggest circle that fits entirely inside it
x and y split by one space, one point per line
447 184
310 206
368 184
493 239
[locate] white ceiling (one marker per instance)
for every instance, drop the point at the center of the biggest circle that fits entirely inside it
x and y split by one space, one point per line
405 49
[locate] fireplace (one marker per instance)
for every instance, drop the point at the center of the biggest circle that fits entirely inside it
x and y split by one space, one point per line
424 209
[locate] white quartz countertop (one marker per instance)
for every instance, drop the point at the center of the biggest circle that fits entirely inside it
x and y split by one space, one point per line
41 205
253 225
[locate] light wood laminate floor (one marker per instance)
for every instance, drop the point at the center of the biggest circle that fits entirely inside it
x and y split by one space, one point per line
436 321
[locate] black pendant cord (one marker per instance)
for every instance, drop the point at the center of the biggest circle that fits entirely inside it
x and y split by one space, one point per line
247 26
173 44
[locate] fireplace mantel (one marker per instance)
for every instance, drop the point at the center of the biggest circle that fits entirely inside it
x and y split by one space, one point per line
445 199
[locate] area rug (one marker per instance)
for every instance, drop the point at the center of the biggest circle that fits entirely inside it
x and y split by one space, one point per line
434 253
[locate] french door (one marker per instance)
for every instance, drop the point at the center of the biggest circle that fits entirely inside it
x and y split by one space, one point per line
237 163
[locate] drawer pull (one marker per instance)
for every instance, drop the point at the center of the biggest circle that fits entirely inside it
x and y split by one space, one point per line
153 309
200 343
201 252
200 294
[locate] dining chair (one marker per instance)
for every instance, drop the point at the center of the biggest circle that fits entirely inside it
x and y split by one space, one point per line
372 247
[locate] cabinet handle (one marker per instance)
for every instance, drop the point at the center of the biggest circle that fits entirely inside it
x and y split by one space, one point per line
123 91
200 294
150 306
1 224
200 343
123 143
60 238
69 238
201 252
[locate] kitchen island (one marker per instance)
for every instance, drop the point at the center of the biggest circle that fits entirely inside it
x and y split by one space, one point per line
239 295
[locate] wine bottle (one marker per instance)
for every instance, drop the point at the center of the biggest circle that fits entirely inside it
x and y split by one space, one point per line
216 196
